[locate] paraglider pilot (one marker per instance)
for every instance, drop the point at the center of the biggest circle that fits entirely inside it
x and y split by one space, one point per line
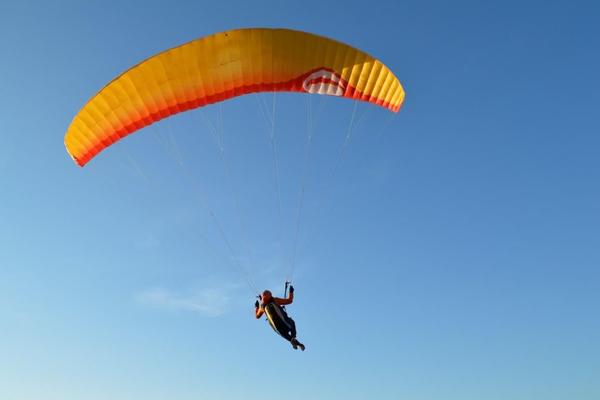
281 323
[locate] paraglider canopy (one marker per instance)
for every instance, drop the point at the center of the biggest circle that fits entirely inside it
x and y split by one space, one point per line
222 66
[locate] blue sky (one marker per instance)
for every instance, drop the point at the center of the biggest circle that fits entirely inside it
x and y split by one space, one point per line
453 252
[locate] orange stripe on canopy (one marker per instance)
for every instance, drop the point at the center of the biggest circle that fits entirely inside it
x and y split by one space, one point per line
222 66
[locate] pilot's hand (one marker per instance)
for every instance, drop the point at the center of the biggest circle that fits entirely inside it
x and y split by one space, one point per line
256 305
291 289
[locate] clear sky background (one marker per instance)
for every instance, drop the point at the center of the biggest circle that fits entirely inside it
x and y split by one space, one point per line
453 252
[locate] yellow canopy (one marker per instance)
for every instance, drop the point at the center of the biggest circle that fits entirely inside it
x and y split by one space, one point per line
221 66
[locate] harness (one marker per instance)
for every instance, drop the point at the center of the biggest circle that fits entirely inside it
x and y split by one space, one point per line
277 317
